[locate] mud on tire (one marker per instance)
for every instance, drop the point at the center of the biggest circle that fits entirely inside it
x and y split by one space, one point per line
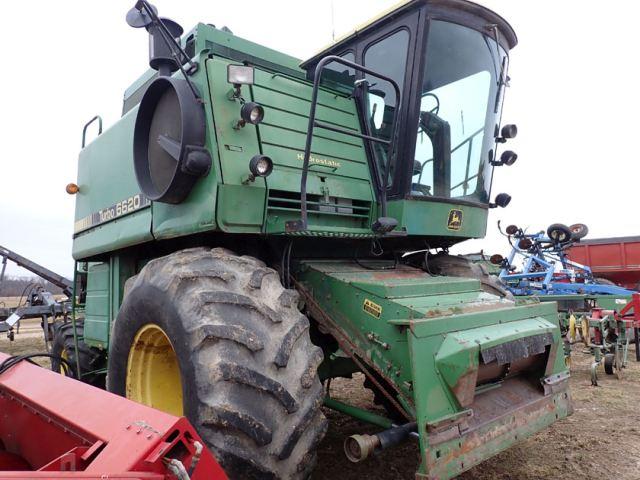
91 359
247 365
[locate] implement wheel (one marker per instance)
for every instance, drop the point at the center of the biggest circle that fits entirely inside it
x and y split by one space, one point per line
91 359
559 233
215 337
578 231
610 364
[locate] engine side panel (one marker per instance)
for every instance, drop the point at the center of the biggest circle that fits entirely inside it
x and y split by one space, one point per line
110 211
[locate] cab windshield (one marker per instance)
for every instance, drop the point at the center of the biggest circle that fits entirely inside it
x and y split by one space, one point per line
465 73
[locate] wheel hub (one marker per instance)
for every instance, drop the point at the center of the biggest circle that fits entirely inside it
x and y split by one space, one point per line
153 372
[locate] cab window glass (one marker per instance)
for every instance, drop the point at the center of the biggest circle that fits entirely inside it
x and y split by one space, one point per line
459 109
338 76
387 57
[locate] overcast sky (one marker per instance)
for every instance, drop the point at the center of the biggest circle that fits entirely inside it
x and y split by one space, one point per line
574 95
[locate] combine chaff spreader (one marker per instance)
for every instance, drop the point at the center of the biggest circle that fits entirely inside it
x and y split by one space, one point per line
254 226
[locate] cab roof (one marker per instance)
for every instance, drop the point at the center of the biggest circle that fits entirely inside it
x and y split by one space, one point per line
506 31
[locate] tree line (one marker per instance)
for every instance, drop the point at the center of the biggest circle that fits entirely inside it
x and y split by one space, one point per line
22 286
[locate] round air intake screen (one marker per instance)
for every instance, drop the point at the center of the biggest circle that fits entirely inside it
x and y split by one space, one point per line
168 142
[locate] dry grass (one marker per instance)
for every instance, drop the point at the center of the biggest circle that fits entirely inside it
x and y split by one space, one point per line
29 340
9 301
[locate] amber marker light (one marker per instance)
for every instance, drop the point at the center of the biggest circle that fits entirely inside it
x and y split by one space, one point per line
72 188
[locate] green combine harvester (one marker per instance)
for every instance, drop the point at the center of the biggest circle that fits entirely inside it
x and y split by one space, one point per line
253 227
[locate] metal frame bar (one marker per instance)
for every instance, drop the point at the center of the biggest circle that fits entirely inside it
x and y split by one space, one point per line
73 320
548 258
33 267
302 224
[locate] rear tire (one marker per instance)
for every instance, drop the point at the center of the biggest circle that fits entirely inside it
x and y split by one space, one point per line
91 359
248 369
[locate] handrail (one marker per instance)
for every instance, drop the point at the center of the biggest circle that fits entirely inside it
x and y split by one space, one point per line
86 125
302 224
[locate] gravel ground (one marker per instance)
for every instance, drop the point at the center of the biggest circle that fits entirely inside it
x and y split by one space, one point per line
600 440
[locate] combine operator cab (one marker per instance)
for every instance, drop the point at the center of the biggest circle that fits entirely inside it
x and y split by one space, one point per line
429 81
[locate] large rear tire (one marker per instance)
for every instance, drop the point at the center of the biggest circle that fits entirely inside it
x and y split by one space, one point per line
91 359
224 335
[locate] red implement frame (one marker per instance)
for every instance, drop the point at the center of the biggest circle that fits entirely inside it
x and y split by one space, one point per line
52 426
630 314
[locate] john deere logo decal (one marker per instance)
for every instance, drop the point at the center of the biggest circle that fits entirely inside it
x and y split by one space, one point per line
455 220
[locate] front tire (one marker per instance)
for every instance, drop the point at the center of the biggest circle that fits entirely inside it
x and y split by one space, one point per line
247 370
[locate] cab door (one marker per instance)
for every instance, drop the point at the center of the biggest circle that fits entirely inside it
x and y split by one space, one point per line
391 50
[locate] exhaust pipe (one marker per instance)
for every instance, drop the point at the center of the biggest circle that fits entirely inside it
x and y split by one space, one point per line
359 447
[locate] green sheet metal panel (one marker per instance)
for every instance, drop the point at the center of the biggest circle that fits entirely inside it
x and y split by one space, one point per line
433 218
241 208
107 182
339 186
97 313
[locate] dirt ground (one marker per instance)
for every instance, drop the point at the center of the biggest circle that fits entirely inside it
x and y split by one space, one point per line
600 440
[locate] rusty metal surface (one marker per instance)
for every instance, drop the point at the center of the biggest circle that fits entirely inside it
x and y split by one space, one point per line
501 417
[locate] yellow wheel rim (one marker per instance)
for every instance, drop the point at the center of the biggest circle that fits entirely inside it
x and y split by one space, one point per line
153 371
586 337
572 328
65 356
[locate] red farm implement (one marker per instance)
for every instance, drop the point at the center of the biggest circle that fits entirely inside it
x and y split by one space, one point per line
616 259
606 332
52 426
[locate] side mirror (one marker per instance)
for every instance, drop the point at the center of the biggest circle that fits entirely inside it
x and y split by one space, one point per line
502 200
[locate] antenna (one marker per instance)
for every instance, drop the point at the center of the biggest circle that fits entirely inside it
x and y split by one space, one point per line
333 23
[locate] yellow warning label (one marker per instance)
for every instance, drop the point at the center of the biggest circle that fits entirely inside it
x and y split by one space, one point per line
372 308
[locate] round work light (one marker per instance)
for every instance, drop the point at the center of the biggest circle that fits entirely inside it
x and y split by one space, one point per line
252 113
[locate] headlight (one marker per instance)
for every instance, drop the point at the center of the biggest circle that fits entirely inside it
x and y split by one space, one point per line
240 74
260 166
252 113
